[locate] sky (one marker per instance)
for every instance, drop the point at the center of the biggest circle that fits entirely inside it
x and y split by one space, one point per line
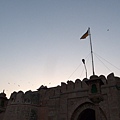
40 41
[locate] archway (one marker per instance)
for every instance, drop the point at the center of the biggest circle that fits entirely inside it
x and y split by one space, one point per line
87 111
87 114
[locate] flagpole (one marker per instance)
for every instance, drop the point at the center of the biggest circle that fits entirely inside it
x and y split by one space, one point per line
91 51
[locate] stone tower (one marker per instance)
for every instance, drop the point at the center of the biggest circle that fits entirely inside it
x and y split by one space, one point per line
3 104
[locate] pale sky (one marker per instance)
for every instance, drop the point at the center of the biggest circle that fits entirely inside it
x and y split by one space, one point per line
40 41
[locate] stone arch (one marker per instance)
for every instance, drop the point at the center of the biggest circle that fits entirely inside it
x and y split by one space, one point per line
84 109
87 114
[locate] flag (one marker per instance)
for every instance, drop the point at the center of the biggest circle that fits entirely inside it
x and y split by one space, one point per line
85 35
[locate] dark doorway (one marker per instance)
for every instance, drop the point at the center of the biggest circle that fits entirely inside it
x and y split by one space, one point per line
87 114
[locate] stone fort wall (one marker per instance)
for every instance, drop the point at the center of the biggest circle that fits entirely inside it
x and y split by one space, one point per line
64 102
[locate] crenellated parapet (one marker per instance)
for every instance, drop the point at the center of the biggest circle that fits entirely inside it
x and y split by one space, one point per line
52 102
80 85
28 97
44 93
23 106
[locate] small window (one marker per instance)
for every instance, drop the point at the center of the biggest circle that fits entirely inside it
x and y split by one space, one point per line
94 89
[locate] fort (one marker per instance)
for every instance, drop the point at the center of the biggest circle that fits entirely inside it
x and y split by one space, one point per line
96 98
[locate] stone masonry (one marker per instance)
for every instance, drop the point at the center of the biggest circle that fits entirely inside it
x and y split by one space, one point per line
69 101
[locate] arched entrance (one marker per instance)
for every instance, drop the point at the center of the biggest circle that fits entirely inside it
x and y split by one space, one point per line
87 111
87 114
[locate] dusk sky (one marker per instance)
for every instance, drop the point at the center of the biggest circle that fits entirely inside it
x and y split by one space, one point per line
40 41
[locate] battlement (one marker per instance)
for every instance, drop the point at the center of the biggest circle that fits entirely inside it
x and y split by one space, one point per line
28 97
80 85
44 93
60 99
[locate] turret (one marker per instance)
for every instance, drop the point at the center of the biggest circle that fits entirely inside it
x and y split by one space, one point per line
94 84
3 101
